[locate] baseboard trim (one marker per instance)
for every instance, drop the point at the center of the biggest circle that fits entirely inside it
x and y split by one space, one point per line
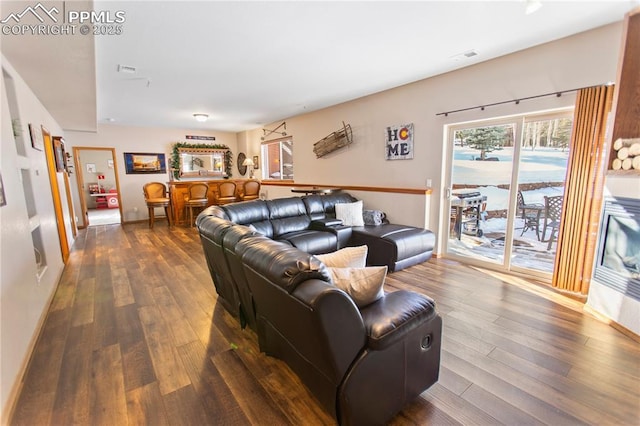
621 328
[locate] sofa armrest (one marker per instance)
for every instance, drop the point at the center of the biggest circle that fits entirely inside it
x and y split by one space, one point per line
321 224
342 330
335 226
396 314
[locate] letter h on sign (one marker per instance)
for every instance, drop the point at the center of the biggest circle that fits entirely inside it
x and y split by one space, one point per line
399 142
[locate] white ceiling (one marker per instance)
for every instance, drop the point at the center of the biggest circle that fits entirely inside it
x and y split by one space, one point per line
247 64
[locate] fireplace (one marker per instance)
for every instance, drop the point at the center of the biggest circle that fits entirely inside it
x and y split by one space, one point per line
618 261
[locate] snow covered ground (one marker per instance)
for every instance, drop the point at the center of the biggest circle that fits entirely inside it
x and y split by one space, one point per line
540 165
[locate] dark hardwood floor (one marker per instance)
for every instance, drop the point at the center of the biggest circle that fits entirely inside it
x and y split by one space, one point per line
134 336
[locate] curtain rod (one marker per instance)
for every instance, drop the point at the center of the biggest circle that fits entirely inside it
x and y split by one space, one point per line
517 101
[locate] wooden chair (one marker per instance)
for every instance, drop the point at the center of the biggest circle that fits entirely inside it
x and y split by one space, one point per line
155 195
531 214
226 193
552 214
196 198
251 190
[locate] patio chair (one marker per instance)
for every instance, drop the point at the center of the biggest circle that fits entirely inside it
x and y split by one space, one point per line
552 213
531 215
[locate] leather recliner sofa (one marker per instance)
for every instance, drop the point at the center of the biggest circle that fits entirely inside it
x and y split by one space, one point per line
309 223
362 364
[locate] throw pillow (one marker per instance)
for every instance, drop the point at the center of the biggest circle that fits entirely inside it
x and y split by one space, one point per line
348 257
373 217
364 285
350 213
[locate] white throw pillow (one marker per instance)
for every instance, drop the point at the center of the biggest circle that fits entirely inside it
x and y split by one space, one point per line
364 285
348 257
350 213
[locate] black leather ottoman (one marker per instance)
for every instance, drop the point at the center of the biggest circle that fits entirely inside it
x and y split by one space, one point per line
397 246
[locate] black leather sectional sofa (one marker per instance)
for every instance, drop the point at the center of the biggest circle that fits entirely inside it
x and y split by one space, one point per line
362 364
309 224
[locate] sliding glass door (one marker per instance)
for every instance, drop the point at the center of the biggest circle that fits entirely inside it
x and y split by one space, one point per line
505 191
541 175
482 166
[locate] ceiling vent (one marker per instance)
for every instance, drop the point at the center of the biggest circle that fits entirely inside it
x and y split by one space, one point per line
126 69
466 55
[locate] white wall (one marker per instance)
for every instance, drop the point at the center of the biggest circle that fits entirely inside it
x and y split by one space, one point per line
582 60
24 299
138 139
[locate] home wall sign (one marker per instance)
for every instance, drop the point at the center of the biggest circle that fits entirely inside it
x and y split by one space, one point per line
399 142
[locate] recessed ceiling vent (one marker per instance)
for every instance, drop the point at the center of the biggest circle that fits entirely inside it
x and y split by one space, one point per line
127 69
466 55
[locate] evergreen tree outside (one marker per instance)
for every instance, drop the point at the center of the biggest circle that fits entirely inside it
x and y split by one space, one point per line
484 139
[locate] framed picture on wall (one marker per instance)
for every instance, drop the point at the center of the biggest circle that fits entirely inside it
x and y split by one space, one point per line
256 162
144 163
36 137
58 153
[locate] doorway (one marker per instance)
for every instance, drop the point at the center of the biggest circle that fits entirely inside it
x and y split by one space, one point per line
505 185
98 185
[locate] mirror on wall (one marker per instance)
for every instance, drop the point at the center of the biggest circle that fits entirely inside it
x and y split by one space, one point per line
202 162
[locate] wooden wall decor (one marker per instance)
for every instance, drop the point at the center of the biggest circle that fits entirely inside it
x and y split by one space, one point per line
626 154
336 140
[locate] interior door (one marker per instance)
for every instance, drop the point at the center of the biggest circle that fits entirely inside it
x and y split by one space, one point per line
90 163
55 193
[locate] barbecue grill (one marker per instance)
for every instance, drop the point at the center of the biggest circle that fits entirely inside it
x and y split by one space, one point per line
468 205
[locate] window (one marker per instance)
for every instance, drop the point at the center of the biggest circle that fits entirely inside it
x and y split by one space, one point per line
277 159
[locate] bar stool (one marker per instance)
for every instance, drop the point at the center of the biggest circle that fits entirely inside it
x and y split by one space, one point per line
226 193
155 195
196 198
251 190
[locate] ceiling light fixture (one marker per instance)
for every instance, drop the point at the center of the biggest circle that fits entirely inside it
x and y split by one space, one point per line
201 117
532 6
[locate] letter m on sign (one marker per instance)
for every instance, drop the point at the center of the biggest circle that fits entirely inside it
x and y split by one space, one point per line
399 142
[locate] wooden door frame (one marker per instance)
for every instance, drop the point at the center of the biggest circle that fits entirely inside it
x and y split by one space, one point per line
80 179
55 193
